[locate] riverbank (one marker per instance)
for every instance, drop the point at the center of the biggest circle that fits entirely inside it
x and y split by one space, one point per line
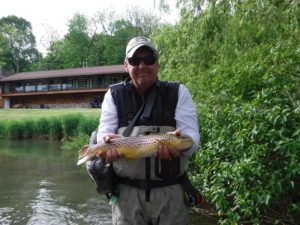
47 123
21 114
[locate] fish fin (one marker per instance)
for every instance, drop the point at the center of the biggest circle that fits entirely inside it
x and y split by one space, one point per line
130 157
82 160
160 142
83 151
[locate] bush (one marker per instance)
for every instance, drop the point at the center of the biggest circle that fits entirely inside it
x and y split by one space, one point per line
55 128
3 131
70 124
42 127
74 145
15 130
240 60
87 125
29 128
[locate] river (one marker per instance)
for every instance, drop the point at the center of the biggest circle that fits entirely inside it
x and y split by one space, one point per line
40 185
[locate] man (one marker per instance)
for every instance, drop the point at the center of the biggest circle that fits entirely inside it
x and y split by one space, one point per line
149 189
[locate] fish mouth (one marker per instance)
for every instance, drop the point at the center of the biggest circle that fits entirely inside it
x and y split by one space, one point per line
186 141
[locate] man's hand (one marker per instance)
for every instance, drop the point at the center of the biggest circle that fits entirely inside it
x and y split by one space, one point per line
166 152
111 155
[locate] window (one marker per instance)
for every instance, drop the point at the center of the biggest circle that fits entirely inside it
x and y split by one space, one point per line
82 83
42 86
16 87
67 84
30 86
97 82
55 84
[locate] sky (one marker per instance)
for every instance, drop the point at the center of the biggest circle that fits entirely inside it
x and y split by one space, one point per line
47 15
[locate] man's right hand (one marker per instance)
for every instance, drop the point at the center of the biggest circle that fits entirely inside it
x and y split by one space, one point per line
111 155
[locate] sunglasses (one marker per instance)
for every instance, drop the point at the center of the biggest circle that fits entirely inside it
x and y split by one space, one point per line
136 61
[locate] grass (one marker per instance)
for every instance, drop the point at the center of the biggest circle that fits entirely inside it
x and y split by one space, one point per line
34 114
47 123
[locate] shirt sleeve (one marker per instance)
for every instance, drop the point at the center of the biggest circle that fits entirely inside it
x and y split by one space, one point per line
109 118
186 117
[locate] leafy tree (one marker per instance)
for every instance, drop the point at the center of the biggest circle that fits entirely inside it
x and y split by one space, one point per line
76 48
240 60
18 49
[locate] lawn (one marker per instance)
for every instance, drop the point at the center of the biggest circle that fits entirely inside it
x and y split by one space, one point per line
21 114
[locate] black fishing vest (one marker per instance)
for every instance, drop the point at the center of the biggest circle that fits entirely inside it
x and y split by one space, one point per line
128 101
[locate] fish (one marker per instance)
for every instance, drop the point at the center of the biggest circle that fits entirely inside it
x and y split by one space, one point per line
136 147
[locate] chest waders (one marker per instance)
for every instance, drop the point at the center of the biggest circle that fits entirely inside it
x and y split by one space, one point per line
137 116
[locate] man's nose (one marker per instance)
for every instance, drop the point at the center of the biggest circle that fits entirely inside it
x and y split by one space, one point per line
142 64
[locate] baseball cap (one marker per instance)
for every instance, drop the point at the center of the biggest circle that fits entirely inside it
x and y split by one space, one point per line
136 43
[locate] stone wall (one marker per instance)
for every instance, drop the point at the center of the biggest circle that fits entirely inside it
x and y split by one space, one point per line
59 106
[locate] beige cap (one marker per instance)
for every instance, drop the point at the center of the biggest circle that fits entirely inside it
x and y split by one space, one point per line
136 43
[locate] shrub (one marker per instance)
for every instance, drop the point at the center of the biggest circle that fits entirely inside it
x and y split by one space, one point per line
70 124
3 132
87 125
29 128
15 129
42 127
55 128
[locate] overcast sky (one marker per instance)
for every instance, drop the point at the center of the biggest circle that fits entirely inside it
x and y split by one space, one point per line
45 15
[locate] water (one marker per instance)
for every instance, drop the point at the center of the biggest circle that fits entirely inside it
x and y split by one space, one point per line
39 185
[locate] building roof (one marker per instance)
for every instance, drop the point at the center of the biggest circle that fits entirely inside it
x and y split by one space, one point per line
97 70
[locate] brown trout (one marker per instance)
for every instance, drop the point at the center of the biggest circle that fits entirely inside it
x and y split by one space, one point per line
136 147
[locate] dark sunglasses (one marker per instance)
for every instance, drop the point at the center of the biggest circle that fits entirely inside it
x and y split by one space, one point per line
148 60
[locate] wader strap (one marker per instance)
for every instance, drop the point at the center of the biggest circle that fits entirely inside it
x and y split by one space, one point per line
146 109
148 188
129 128
149 105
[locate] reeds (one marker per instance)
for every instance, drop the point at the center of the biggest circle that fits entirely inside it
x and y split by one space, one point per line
64 127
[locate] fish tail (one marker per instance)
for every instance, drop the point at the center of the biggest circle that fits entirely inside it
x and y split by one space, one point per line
83 160
83 152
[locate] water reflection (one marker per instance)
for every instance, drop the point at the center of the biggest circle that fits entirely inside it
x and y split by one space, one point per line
41 186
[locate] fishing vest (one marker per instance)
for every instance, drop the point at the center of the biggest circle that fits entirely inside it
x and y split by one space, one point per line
162 119
128 102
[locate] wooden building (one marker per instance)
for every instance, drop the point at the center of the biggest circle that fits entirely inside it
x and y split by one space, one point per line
67 88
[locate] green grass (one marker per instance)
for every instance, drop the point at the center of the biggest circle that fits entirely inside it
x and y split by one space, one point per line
34 114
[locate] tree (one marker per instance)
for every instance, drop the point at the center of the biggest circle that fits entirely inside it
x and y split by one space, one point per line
77 43
240 60
17 50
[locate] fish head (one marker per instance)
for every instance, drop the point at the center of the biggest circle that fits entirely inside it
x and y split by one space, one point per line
181 142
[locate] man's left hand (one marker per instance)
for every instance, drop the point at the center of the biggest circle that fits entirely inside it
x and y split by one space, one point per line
166 152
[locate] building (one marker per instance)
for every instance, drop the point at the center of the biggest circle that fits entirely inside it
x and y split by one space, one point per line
1 99
67 88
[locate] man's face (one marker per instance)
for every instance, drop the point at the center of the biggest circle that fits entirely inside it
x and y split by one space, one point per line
142 74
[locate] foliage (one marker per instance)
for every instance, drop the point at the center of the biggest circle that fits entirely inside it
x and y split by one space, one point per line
75 143
70 125
87 125
57 127
17 49
240 60
35 114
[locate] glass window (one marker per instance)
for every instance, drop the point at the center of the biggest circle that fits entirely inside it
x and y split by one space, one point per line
16 87
42 86
82 83
30 86
67 84
97 82
55 84
114 79
7 87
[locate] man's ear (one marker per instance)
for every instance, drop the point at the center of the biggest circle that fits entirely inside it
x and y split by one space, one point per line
126 65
